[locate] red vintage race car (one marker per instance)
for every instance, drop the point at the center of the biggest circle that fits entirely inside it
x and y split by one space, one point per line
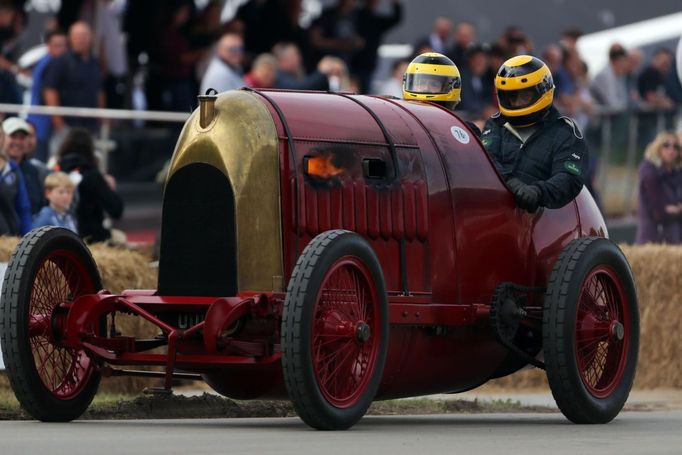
333 249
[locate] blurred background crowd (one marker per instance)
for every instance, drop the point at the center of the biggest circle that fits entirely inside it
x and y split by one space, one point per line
154 55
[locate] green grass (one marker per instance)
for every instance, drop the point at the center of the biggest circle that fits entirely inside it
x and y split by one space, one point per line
431 406
7 401
126 406
102 401
108 400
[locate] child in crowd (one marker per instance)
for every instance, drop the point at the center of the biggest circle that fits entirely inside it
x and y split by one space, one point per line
59 192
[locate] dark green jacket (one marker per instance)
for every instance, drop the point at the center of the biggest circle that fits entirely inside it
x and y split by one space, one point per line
554 157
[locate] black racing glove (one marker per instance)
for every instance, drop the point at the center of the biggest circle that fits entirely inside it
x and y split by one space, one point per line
514 184
527 196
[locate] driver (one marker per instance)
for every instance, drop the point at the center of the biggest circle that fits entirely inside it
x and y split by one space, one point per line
541 155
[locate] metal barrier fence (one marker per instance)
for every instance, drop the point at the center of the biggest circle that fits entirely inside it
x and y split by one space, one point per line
616 141
103 139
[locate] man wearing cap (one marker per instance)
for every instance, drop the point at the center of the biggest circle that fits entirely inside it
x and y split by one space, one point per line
7 213
18 148
15 208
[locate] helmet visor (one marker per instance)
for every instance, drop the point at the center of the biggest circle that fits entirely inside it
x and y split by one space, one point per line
430 84
518 99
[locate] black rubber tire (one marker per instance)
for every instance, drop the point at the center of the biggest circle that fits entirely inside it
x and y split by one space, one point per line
581 258
297 330
25 262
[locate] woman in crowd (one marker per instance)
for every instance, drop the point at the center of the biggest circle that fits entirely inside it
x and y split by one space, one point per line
660 192
96 191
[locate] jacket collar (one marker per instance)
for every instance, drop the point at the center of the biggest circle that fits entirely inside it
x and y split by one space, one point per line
552 116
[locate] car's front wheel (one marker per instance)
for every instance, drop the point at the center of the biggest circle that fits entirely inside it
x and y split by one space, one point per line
334 330
48 270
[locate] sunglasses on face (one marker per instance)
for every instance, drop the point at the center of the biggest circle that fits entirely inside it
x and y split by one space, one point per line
670 144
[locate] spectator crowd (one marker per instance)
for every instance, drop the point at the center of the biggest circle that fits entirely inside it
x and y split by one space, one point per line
100 54
71 193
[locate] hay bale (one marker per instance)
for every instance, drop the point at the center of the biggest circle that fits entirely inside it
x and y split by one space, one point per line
7 245
120 269
531 378
123 269
657 270
658 273
658 277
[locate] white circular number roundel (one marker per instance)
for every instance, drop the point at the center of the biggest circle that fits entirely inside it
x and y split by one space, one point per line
460 134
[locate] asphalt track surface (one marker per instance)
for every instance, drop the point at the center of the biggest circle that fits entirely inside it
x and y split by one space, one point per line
658 432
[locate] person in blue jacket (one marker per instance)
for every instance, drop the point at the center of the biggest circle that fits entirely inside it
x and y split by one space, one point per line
56 44
15 208
59 191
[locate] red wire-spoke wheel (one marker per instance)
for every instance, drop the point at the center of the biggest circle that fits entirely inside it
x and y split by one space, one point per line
344 350
49 269
601 340
334 330
591 330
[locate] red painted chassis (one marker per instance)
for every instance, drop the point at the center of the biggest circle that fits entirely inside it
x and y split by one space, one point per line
407 302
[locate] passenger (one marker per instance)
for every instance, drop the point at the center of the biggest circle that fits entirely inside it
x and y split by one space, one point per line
540 154
434 77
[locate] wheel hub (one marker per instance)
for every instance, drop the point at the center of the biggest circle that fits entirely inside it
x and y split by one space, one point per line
617 331
57 324
362 332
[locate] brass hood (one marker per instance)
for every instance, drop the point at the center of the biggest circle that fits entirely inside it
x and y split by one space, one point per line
241 141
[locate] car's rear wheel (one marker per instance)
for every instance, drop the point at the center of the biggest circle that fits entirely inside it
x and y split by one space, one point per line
48 270
334 330
591 330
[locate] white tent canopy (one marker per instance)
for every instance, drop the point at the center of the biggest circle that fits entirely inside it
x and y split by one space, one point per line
594 47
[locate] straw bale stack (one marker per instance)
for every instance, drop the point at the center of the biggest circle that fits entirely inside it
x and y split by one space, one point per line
124 269
658 277
7 245
120 269
4 381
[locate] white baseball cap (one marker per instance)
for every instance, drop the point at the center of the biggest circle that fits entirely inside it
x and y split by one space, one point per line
14 124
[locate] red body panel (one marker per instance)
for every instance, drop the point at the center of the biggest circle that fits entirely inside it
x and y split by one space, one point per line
462 232
417 184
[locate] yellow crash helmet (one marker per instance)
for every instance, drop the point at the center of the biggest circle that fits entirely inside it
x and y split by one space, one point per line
432 77
525 89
